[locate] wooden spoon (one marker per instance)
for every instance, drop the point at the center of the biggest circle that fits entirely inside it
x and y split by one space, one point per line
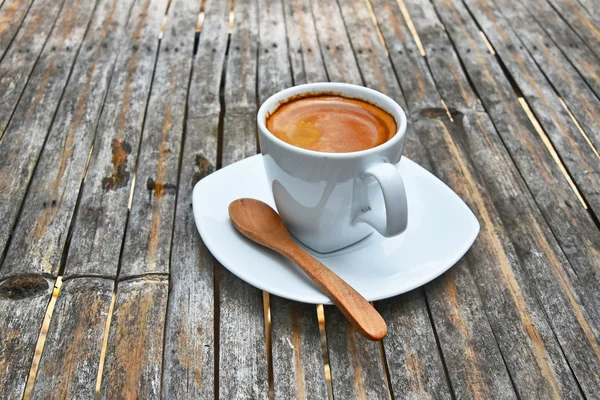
261 224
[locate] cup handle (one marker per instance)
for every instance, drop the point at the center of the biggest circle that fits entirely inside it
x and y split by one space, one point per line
394 197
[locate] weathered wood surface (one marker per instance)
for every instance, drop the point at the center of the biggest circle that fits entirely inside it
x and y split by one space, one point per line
561 34
586 26
570 223
11 16
471 355
71 354
243 366
298 370
102 214
42 230
272 50
69 364
564 77
303 45
577 154
148 237
411 352
188 370
23 303
357 370
133 364
336 49
517 317
529 348
533 241
140 312
24 138
71 133
18 61
574 320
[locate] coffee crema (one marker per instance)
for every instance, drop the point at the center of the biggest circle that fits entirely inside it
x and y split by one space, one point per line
331 124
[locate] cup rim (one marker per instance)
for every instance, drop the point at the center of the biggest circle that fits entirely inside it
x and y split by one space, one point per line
345 90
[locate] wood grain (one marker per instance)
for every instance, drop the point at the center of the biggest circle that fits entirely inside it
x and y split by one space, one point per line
273 60
570 223
474 362
411 353
41 231
19 59
150 226
580 21
242 347
356 364
12 15
571 315
557 286
102 215
335 46
450 80
71 356
133 364
138 324
69 364
529 348
23 303
303 50
562 36
189 370
298 370
24 137
577 154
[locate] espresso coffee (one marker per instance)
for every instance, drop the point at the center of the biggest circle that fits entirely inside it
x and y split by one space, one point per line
331 124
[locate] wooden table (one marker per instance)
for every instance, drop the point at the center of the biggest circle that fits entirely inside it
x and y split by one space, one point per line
111 111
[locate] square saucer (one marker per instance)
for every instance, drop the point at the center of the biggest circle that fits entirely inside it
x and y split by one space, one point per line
441 228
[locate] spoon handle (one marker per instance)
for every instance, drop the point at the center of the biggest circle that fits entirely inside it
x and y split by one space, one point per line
356 308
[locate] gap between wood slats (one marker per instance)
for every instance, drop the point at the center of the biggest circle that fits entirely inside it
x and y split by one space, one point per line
324 354
586 137
39 347
216 267
439 345
129 204
544 137
267 318
105 342
374 19
411 26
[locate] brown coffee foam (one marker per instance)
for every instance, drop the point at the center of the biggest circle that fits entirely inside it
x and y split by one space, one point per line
331 123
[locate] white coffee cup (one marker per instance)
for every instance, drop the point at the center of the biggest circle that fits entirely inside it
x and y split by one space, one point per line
332 200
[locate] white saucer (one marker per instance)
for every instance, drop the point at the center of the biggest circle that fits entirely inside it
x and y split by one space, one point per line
441 228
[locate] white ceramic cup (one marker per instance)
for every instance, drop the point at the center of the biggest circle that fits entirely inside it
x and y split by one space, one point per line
332 200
